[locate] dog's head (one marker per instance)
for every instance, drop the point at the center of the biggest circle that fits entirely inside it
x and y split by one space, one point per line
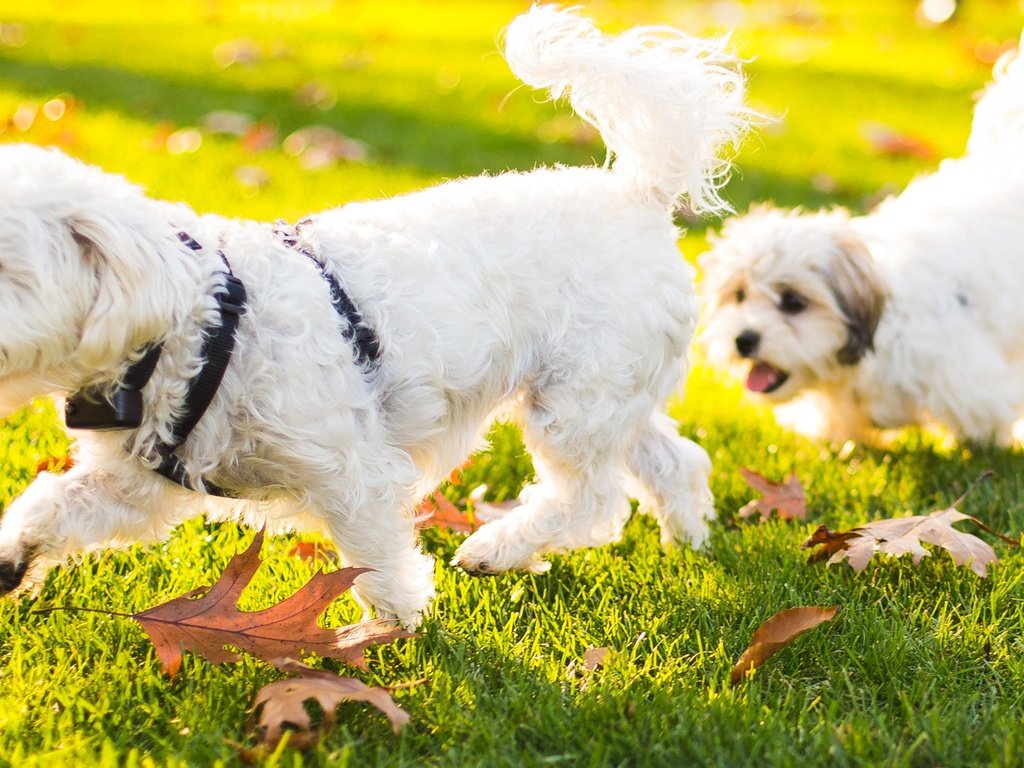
792 299
74 296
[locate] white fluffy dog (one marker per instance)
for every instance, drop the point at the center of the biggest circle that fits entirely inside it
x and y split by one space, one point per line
557 295
911 314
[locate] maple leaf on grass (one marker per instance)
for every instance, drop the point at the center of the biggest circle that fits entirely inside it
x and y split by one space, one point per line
778 632
207 623
907 535
787 499
280 707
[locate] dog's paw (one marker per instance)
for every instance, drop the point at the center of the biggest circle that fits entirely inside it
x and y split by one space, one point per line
14 566
486 554
403 592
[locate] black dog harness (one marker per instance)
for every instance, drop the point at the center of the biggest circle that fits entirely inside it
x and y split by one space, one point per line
92 409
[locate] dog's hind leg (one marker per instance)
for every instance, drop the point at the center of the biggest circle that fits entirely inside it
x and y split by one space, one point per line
670 476
579 497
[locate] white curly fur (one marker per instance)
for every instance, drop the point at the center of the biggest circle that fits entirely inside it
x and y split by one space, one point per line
557 295
911 314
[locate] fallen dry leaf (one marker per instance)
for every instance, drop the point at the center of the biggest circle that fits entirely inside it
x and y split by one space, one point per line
787 499
258 137
315 552
206 624
437 510
55 464
776 633
281 706
318 146
892 143
595 657
906 535
226 121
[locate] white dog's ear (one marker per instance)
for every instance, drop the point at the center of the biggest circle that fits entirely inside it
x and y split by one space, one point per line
125 313
859 294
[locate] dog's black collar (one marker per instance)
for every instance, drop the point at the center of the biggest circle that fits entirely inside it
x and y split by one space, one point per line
90 409
364 341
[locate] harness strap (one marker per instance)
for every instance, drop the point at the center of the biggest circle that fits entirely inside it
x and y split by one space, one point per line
216 354
364 341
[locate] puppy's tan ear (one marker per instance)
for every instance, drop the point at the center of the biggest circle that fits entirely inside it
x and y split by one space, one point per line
859 293
125 313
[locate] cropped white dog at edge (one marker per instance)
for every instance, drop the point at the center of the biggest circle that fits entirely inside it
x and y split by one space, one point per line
911 314
558 296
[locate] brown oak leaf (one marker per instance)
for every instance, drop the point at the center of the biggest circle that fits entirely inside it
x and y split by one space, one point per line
778 632
907 535
281 706
787 499
206 624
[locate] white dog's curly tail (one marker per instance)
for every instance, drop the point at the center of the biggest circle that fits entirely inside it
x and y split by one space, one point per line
999 115
667 105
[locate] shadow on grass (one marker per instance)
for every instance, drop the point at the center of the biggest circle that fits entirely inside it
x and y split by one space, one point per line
443 146
450 144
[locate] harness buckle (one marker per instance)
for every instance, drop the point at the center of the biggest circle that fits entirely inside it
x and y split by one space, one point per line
89 409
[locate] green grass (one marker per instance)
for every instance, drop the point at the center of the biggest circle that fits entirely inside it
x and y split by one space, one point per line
922 667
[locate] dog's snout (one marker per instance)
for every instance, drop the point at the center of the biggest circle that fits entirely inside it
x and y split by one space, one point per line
747 343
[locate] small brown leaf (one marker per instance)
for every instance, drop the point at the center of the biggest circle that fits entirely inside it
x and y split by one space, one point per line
208 623
226 121
595 657
437 510
316 552
776 633
281 705
55 464
258 137
892 143
787 499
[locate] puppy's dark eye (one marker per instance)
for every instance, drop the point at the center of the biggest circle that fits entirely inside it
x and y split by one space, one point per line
792 303
741 295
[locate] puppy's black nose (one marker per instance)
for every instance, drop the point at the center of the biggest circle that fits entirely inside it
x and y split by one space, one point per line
747 343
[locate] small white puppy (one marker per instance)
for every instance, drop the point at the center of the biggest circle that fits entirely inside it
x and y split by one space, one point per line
378 339
911 314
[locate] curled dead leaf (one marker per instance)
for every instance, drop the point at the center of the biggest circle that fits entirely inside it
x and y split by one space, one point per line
280 707
437 510
907 535
787 499
892 143
778 632
315 552
595 657
55 464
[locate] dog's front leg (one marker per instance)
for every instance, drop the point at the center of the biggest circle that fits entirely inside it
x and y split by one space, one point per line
400 583
62 515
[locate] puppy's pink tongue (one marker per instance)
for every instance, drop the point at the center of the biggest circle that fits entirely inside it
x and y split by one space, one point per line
761 377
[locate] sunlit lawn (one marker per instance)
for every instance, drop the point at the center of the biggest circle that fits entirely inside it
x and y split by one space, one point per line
922 667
